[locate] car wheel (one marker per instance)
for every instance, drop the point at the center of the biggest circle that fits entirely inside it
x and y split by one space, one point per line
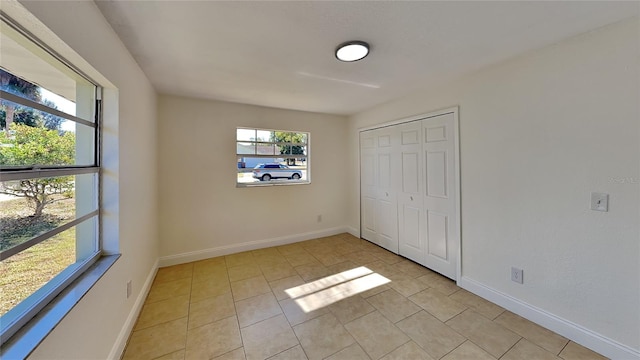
295 176
266 177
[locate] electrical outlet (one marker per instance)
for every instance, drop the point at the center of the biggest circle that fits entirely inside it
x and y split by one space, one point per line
319 218
128 288
516 275
599 201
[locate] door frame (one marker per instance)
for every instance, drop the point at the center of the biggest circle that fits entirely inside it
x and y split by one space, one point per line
456 128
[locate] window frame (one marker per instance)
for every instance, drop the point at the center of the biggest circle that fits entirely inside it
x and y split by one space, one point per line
22 313
256 142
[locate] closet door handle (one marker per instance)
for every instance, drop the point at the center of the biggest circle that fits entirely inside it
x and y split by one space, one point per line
386 194
411 197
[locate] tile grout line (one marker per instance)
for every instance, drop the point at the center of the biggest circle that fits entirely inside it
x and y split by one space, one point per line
319 245
512 346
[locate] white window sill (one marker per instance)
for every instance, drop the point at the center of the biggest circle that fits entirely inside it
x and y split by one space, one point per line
31 335
271 183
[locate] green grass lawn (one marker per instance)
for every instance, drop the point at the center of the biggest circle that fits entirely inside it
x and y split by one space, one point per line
24 273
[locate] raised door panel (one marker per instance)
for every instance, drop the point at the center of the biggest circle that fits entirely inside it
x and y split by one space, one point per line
411 244
437 175
384 171
368 210
384 140
386 224
410 172
367 170
437 235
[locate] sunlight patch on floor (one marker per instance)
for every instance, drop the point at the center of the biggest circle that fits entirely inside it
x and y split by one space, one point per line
331 289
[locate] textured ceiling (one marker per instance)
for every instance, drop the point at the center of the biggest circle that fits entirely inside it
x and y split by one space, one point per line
281 54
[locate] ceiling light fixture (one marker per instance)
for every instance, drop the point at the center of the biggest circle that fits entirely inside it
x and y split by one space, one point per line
352 51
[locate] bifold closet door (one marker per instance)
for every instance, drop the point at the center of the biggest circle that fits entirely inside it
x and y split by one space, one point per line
368 185
409 190
410 197
387 194
378 186
440 203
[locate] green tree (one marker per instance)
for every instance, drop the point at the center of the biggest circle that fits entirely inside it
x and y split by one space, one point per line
291 144
50 121
33 146
15 85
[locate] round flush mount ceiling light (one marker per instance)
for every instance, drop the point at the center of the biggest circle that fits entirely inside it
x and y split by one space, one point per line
352 51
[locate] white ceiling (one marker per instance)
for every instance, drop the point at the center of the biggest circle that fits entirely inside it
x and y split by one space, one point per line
281 53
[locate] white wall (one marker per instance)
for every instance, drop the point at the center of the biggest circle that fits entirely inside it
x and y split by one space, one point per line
201 210
93 326
538 134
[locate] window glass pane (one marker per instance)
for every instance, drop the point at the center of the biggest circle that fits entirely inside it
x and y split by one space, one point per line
27 145
280 156
245 148
26 272
266 149
33 74
245 134
271 170
264 135
32 207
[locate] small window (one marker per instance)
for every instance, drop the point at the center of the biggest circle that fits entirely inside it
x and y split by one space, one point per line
272 157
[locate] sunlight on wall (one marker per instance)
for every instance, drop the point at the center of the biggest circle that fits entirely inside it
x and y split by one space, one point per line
331 289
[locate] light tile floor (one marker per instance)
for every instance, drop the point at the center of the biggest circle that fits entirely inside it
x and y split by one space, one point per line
235 307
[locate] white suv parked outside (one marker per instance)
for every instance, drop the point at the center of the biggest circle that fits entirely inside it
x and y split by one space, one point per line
266 172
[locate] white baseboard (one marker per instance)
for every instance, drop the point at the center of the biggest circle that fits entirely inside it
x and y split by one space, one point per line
249 245
121 341
566 328
353 231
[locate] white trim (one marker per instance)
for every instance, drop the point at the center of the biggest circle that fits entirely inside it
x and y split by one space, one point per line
458 187
121 342
353 231
574 332
449 110
249 245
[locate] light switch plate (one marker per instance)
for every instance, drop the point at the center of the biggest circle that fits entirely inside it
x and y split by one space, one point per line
599 201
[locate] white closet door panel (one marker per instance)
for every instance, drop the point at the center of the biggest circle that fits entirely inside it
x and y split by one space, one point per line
439 198
410 203
368 217
379 166
368 185
387 205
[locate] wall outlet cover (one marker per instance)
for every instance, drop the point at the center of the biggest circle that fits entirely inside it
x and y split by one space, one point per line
516 275
128 289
